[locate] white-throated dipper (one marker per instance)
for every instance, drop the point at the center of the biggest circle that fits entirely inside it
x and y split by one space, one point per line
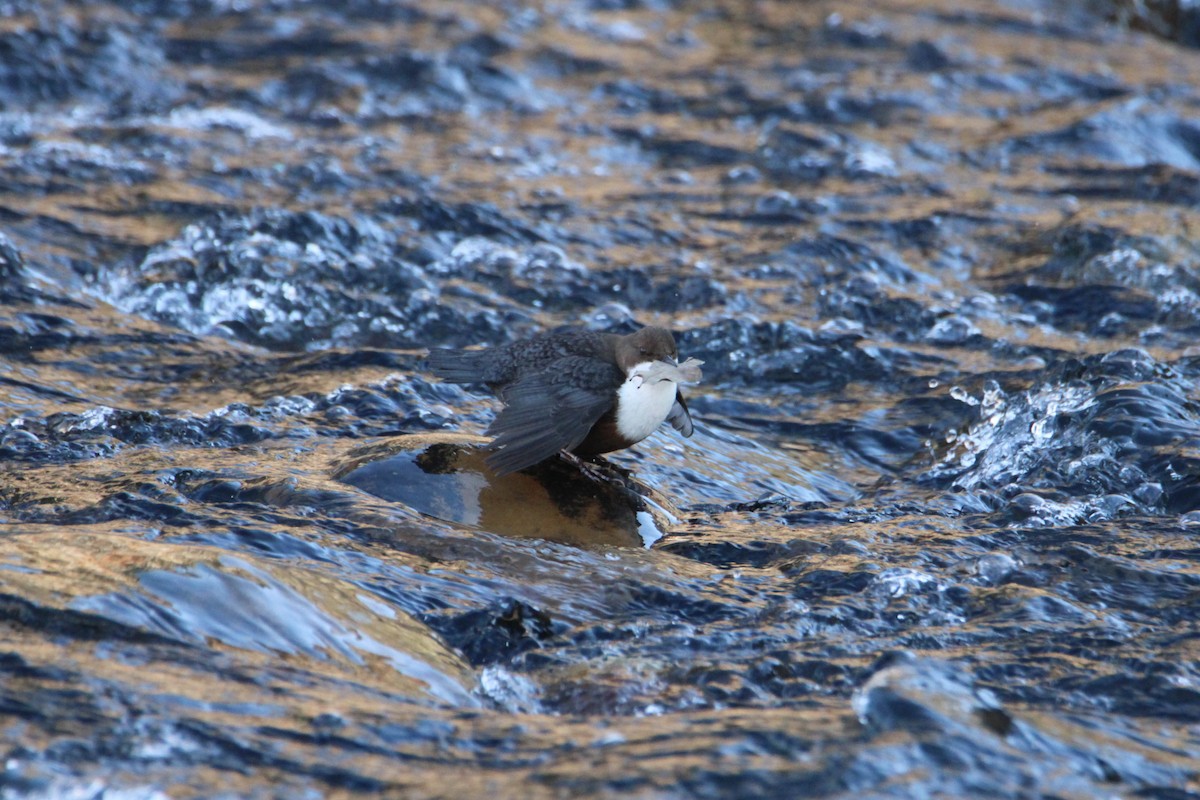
577 391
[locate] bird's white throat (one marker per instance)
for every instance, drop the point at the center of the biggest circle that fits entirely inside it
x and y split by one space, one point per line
645 399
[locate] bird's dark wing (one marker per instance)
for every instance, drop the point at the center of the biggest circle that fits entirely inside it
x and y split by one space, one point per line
680 418
552 410
458 366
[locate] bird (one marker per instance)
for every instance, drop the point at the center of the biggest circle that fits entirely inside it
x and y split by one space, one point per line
575 391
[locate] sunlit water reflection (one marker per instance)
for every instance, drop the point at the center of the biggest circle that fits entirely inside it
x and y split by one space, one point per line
935 532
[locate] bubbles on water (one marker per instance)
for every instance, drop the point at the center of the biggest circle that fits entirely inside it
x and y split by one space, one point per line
1119 262
476 252
1043 428
247 123
548 263
1007 436
994 569
287 280
1080 446
96 418
960 394
280 407
60 787
15 437
1034 511
534 265
78 162
869 158
954 329
610 317
901 581
509 691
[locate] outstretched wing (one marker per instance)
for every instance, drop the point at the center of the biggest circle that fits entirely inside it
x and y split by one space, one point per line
551 410
679 417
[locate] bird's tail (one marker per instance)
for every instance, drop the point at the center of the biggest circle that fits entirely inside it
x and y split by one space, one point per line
457 366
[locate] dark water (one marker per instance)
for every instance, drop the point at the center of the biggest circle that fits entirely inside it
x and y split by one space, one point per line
935 536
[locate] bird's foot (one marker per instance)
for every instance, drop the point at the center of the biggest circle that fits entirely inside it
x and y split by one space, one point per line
597 472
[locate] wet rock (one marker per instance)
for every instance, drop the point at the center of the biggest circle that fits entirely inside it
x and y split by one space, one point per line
444 476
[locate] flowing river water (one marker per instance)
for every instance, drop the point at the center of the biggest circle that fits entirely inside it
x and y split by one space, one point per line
936 532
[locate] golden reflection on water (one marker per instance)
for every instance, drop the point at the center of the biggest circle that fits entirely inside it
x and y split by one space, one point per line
77 569
613 173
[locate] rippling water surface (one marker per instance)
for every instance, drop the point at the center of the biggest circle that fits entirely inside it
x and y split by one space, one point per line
936 533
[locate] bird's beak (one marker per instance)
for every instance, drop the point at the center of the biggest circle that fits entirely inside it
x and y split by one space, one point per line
669 360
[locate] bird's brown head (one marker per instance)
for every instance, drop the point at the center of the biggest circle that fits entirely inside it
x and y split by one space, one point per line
648 344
